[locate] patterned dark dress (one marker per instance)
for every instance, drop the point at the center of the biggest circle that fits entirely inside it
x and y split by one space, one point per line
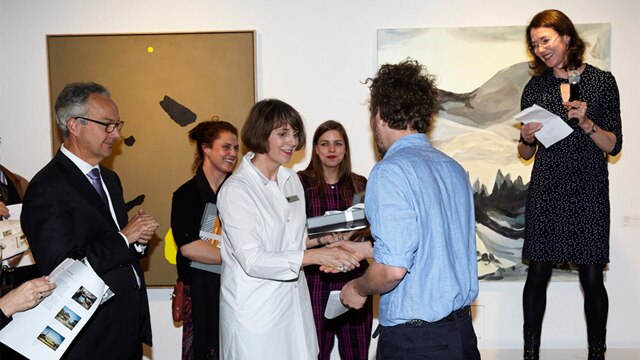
567 211
353 329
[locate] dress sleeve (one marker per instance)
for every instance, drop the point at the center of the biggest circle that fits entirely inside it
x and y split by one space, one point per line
611 111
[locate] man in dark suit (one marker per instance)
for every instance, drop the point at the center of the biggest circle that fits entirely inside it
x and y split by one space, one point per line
74 208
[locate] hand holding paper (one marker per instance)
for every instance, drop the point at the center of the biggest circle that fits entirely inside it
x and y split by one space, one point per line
351 297
46 331
334 307
27 295
553 129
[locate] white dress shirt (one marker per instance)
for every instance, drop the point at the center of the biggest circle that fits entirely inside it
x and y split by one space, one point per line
265 309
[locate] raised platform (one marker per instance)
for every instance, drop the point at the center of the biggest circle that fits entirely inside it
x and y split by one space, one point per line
559 354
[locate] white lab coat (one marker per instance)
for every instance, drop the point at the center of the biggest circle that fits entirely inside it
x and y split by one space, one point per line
265 309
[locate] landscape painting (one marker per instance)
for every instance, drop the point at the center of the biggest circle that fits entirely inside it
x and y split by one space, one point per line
481 72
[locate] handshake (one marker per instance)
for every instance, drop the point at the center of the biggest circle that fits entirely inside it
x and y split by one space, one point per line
341 254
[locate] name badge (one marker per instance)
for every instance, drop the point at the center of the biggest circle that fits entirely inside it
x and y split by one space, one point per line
292 198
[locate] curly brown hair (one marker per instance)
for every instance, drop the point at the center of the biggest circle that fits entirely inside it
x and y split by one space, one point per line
558 21
405 95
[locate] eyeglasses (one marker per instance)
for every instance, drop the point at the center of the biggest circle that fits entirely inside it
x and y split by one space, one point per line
544 43
109 127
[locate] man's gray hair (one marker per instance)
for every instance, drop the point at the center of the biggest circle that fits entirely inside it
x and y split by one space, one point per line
72 102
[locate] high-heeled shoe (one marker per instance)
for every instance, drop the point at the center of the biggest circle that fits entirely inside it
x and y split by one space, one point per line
531 343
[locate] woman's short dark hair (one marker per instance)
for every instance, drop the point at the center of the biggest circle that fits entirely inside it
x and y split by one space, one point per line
558 21
265 116
405 95
207 132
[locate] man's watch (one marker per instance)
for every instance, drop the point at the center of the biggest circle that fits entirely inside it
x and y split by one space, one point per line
594 128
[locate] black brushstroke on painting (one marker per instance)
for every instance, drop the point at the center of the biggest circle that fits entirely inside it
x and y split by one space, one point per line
177 112
129 141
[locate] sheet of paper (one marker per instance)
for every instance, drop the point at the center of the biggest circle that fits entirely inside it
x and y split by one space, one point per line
14 211
553 128
12 239
47 330
334 307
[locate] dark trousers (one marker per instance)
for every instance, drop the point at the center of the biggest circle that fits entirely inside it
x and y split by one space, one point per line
205 314
352 329
447 340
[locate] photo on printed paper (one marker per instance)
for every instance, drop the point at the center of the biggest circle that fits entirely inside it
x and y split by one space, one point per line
84 297
67 317
51 338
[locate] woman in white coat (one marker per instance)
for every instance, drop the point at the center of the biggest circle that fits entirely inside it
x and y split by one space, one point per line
265 310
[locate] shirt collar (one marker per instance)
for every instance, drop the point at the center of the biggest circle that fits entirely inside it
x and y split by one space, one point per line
84 166
282 175
409 140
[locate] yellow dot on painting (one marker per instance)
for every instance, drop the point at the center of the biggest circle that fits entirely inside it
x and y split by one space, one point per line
150 49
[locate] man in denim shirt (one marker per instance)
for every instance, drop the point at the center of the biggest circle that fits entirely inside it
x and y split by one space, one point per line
420 206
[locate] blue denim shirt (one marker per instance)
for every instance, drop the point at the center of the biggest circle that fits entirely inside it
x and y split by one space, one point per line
420 206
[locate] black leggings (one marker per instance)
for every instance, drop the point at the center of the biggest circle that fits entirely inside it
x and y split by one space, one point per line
596 301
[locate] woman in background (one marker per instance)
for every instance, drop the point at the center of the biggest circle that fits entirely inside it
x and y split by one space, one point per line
567 212
19 268
329 184
265 311
216 154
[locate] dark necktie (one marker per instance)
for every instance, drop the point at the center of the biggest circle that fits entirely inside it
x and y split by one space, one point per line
94 177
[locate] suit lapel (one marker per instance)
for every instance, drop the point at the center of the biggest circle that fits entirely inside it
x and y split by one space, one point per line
115 193
79 182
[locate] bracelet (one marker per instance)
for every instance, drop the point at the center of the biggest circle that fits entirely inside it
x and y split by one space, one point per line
364 238
594 128
531 144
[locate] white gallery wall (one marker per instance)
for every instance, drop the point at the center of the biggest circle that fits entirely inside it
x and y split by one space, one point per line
315 55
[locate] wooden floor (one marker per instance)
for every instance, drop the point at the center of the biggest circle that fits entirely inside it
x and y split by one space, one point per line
559 354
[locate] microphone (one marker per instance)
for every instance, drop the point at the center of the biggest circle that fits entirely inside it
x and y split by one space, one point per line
574 91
